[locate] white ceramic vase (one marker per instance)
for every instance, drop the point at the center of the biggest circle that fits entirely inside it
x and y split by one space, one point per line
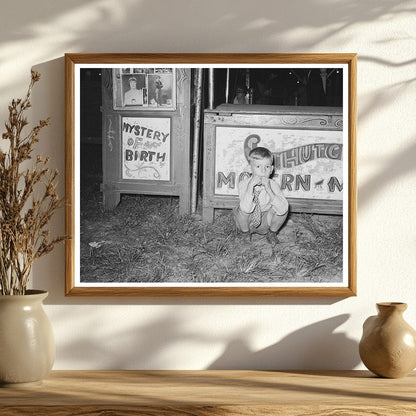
27 346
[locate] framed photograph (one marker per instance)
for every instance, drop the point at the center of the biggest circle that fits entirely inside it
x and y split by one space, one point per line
211 174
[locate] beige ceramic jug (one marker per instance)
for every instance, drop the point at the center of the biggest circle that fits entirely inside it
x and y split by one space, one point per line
388 345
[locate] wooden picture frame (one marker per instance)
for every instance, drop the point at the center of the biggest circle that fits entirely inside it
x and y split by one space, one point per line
219 120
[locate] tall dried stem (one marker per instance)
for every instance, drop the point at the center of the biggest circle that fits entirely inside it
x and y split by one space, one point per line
28 199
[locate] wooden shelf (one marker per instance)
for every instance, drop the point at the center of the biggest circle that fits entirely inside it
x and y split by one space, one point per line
202 393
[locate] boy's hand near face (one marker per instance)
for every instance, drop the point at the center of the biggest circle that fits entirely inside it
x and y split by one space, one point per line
277 200
255 181
266 183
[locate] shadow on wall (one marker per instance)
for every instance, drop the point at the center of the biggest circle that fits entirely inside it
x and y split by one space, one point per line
103 25
391 170
151 346
403 162
314 347
134 17
126 348
48 100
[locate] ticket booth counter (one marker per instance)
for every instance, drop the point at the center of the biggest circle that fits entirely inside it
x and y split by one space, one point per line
146 137
307 148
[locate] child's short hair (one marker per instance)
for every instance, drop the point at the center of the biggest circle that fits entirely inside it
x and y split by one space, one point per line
260 153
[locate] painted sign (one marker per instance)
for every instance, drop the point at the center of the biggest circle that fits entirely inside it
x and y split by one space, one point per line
146 148
308 163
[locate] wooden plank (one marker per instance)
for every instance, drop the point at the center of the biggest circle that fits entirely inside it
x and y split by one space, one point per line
258 410
213 392
226 291
140 187
69 174
208 173
316 206
213 58
181 136
111 151
352 173
273 109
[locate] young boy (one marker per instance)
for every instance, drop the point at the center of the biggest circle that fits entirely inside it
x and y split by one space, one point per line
262 208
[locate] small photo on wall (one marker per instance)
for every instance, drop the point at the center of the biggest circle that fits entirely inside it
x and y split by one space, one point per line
144 88
134 89
160 90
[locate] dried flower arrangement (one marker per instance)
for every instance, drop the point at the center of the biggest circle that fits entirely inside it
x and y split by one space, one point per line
28 199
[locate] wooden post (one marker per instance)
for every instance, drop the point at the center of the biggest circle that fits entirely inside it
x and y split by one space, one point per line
197 128
211 88
227 86
323 73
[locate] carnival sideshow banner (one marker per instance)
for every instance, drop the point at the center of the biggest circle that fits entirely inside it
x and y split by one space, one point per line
307 163
146 148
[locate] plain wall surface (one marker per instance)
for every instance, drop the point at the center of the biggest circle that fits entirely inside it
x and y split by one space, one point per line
224 333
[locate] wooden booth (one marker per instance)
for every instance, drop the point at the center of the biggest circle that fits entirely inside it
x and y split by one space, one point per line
307 147
146 133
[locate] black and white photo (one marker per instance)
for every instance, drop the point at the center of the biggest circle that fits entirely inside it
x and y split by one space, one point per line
212 179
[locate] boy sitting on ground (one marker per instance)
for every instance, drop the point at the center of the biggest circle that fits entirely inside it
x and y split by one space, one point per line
262 208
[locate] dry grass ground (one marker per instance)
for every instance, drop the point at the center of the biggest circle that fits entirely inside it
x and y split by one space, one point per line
145 240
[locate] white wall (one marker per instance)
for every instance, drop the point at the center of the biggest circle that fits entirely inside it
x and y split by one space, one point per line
199 333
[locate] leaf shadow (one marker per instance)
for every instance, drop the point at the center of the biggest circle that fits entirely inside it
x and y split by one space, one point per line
316 346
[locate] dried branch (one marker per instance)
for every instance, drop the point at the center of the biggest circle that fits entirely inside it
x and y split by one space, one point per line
24 217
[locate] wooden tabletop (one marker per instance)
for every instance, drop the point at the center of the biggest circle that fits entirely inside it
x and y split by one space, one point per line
254 393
